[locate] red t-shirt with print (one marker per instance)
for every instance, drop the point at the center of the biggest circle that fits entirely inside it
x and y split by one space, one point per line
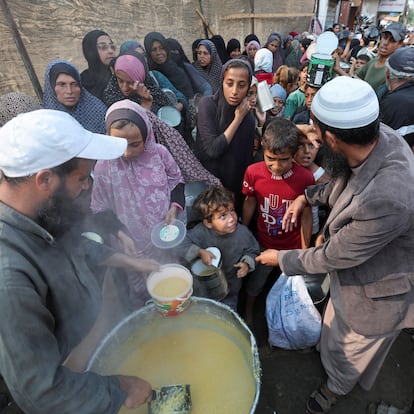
273 196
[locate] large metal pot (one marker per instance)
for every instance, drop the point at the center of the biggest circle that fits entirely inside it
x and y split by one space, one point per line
145 324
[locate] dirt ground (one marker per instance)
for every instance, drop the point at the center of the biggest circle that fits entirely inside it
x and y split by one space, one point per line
288 377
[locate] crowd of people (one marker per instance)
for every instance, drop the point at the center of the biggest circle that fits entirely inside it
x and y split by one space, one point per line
321 183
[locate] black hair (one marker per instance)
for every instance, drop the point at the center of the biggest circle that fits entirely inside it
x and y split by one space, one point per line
365 58
363 136
211 201
280 134
61 170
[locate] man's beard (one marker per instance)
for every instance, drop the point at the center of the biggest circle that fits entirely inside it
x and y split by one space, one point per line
335 164
58 214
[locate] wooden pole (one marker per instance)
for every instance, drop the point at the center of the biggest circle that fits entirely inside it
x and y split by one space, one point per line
22 49
205 23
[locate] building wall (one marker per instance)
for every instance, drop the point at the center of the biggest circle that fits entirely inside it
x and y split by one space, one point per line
54 29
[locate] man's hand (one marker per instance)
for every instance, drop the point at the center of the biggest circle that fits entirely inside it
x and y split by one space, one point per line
291 217
138 391
310 132
269 257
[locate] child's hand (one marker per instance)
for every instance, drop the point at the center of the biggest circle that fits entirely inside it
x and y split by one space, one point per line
206 256
171 215
243 269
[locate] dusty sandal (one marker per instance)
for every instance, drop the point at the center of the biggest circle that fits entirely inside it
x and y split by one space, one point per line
320 401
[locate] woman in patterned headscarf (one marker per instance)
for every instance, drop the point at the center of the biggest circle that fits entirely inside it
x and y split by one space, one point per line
131 81
208 63
63 91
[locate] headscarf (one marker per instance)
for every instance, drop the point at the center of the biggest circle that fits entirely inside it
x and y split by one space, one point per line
177 53
278 91
129 45
194 47
113 94
295 54
89 111
277 56
137 190
249 38
221 47
254 43
263 60
233 44
213 71
175 74
230 166
97 76
14 103
132 66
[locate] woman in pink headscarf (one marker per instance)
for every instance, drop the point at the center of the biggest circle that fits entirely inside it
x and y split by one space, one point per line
143 187
131 81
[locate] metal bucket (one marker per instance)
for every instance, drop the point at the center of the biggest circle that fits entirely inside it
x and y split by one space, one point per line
318 287
141 328
212 280
320 69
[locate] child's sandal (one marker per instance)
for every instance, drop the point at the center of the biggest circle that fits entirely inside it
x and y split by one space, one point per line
320 401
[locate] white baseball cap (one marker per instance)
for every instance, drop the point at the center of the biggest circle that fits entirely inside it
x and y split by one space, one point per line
346 103
46 138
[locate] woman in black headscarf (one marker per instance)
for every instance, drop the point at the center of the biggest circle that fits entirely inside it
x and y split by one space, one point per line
233 48
158 57
199 83
99 51
225 128
221 47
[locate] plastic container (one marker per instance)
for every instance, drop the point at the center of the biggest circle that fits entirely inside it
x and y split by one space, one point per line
170 115
170 289
264 97
320 69
166 236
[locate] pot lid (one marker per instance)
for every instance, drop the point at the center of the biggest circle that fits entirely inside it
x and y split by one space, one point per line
326 43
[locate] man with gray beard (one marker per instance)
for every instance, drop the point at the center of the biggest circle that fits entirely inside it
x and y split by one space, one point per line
368 238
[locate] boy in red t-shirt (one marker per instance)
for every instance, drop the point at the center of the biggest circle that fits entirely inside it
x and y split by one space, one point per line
270 186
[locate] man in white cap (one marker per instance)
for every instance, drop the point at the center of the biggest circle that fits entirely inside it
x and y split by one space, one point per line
368 238
49 299
397 106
